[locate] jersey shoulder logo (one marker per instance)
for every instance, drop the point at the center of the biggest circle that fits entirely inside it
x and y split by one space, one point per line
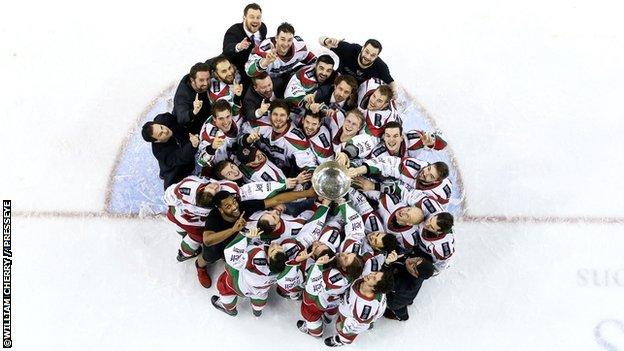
298 133
185 191
266 177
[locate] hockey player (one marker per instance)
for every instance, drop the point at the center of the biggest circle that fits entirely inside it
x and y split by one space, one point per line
225 83
318 136
361 305
437 240
219 134
256 167
414 174
375 100
285 144
290 282
279 56
347 141
189 204
250 271
395 143
308 79
325 282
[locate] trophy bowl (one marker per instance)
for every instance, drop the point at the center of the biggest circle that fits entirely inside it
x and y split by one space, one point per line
330 180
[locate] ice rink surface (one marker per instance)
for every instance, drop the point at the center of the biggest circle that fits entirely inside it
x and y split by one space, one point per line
528 95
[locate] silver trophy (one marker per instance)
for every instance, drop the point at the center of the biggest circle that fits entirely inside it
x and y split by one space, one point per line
330 180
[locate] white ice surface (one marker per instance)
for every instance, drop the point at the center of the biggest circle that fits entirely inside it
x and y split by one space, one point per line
527 94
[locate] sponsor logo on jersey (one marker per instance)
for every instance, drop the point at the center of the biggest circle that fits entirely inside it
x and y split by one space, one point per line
323 139
377 119
447 190
185 191
366 310
429 206
412 164
259 261
335 278
266 177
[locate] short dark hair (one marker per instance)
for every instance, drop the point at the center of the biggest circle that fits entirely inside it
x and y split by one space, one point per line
252 6
394 124
260 76
442 169
221 105
265 227
213 62
425 269
203 199
445 221
385 90
389 242
218 198
278 263
147 131
309 113
325 59
218 167
198 67
385 284
354 270
349 79
285 27
280 103
374 43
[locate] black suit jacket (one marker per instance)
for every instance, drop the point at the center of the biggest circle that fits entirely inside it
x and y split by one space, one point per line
233 36
176 157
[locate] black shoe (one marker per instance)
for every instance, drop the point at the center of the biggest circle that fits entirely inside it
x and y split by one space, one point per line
218 305
333 341
182 258
256 313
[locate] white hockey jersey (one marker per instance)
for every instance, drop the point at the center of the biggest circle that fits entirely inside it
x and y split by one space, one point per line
406 170
209 132
287 149
248 266
411 145
181 196
298 55
441 248
360 311
218 90
375 120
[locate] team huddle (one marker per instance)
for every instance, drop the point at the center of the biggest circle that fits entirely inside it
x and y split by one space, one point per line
237 154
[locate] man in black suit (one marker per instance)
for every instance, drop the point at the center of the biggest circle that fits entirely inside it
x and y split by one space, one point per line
258 99
240 39
409 274
173 146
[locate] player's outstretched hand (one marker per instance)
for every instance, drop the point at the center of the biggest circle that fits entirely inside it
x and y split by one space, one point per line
363 184
427 138
304 177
